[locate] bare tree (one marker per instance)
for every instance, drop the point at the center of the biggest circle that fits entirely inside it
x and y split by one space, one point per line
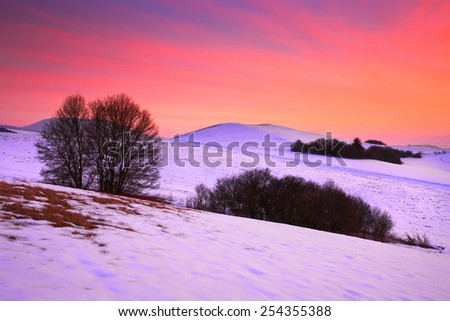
292 200
125 145
63 146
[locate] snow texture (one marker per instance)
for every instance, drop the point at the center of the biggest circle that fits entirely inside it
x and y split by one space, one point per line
146 251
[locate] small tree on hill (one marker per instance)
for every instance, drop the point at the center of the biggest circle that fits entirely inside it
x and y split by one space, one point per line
357 148
125 145
63 146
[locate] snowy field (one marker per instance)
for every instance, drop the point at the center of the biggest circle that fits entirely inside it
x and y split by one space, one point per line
147 251
416 194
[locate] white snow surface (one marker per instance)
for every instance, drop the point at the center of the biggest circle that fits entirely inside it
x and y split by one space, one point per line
180 254
236 132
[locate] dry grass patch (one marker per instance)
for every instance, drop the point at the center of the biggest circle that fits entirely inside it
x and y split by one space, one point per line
56 209
126 201
8 190
129 210
152 198
416 239
22 201
58 215
34 193
109 201
88 235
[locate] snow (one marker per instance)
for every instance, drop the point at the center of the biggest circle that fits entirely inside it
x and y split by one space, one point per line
416 194
174 253
180 254
18 156
236 132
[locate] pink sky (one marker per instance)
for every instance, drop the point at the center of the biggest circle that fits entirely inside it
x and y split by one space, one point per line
373 69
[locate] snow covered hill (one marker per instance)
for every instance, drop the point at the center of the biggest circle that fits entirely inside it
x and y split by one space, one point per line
416 194
236 132
35 127
432 168
154 251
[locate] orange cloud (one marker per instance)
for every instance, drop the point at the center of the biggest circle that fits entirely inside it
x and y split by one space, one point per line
376 70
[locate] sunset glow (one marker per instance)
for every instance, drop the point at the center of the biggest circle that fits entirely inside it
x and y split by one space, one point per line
374 69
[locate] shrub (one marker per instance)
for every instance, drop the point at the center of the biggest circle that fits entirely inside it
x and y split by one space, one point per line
416 239
64 148
292 200
375 142
336 148
382 224
110 144
124 142
385 154
297 146
6 130
201 200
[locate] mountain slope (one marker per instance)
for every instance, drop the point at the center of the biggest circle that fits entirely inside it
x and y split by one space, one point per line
236 132
139 250
35 127
416 194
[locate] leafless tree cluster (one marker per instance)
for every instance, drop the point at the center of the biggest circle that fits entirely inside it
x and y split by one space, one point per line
337 148
293 200
109 144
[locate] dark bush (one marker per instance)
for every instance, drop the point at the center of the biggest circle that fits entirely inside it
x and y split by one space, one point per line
408 154
385 154
64 148
201 200
6 130
297 146
336 148
381 225
375 142
415 239
321 146
391 155
292 200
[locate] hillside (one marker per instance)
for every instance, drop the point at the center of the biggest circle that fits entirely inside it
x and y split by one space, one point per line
142 250
416 194
227 133
35 127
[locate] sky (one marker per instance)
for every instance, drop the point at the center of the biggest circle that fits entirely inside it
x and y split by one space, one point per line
374 69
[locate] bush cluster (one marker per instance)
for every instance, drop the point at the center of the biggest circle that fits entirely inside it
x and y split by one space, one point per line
292 200
355 150
375 142
415 239
6 130
110 144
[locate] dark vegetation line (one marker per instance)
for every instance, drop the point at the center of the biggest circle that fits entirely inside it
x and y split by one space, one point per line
293 200
6 130
375 142
355 150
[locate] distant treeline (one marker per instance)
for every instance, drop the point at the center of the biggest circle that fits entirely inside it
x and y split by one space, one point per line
375 142
6 130
355 150
293 200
